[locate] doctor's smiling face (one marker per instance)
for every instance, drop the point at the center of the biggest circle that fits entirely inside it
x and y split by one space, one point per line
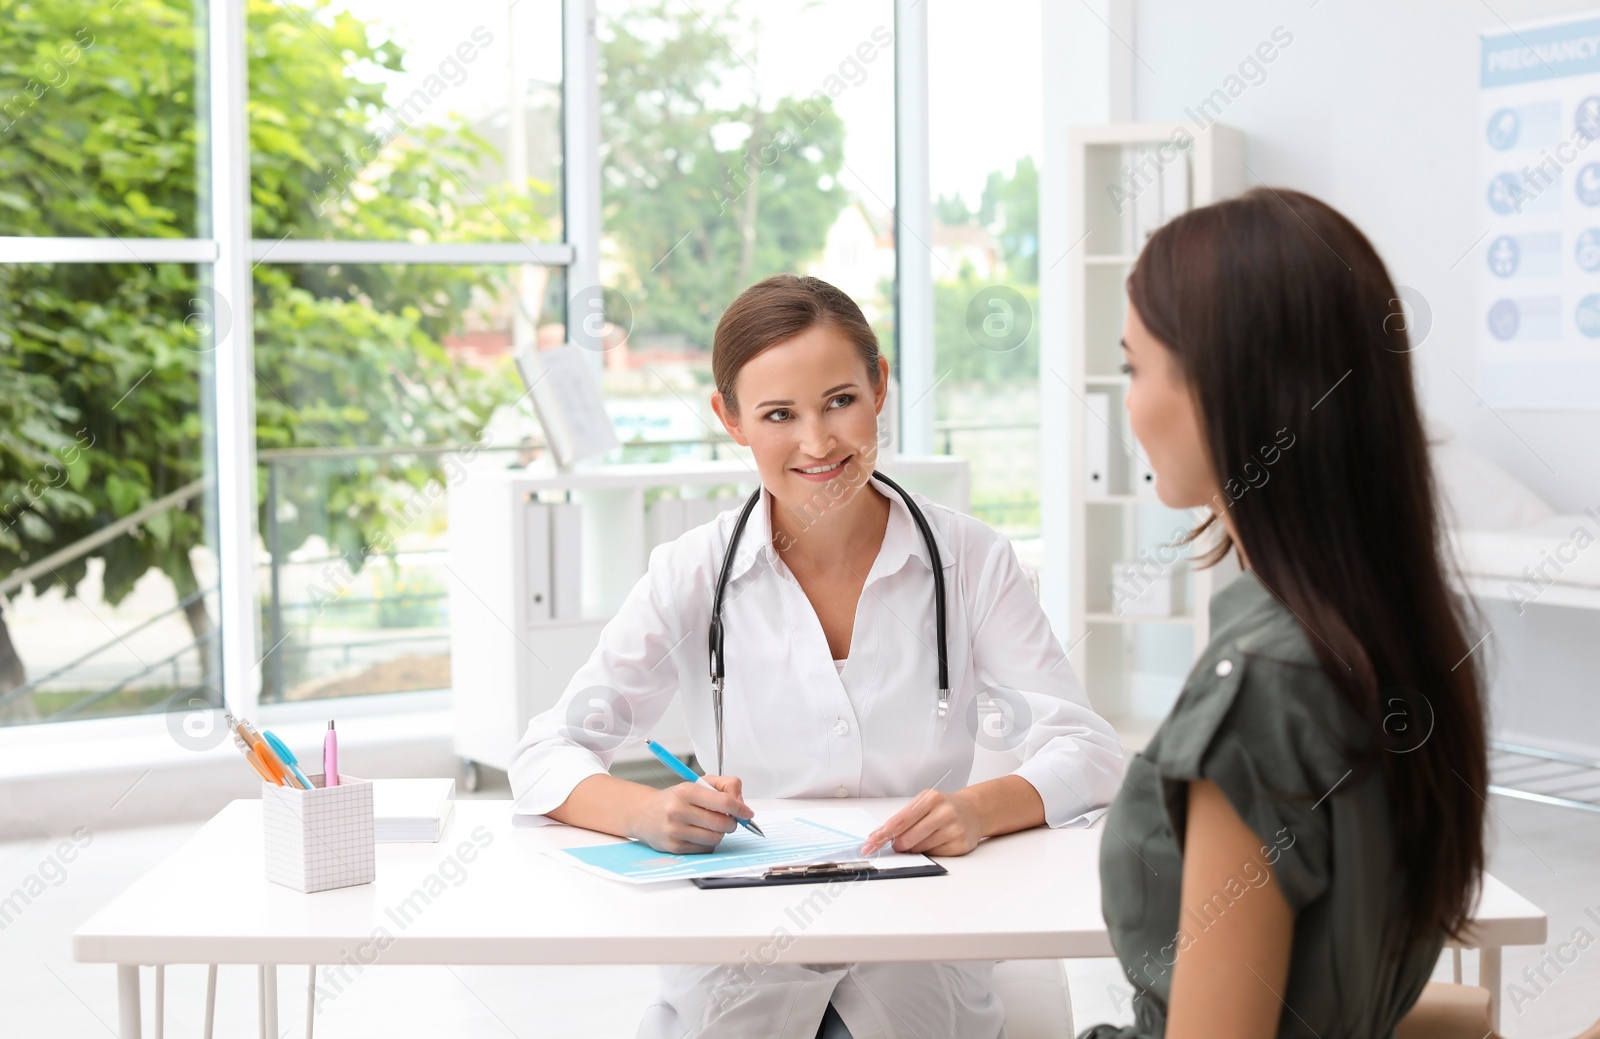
800 382
808 410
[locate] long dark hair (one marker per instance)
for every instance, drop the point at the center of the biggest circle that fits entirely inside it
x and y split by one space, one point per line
1285 323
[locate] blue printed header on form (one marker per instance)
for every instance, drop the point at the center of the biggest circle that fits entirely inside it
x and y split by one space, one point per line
1544 53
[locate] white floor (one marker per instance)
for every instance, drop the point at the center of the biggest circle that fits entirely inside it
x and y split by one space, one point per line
1551 855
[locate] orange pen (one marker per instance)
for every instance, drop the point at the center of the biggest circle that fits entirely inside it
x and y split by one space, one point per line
256 751
255 763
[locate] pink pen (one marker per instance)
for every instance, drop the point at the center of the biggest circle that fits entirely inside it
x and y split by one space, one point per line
330 757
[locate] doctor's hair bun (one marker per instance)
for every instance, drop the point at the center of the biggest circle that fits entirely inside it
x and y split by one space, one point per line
775 310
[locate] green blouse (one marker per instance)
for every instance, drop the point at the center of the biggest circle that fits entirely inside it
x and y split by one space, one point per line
1260 719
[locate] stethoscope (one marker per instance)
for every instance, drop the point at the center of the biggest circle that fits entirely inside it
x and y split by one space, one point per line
722 584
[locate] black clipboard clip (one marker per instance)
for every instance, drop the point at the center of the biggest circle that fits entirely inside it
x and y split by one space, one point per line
821 872
819 869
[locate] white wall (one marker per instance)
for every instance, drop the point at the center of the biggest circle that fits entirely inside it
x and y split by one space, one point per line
1373 107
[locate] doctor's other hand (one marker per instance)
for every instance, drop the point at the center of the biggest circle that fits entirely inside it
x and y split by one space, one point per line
934 823
688 818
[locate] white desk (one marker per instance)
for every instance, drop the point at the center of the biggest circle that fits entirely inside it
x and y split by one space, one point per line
1029 895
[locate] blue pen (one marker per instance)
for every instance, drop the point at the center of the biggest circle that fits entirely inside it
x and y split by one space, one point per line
286 756
671 761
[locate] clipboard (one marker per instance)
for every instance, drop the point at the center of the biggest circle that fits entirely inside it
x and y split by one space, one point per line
821 873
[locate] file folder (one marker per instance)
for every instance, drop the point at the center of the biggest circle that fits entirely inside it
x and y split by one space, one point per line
536 557
566 560
1097 445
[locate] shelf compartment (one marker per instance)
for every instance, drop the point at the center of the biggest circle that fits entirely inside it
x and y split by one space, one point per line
1105 308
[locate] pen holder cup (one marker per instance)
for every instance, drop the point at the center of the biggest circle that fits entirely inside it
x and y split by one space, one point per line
320 838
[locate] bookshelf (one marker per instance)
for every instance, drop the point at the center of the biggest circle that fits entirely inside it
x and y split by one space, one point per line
1124 180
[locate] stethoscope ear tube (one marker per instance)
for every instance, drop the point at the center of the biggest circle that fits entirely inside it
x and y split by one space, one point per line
714 634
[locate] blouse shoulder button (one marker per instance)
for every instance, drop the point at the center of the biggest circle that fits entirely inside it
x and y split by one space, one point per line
1224 668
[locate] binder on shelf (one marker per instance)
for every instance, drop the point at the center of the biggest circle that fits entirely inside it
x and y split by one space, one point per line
566 560
536 539
1097 445
1144 477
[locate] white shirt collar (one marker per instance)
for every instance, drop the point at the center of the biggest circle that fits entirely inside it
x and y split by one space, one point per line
901 538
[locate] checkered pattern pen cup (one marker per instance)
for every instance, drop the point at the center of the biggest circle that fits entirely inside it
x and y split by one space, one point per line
320 838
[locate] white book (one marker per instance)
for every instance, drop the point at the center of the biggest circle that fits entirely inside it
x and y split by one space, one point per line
1147 201
566 560
566 394
1129 185
411 810
1175 186
536 539
1097 445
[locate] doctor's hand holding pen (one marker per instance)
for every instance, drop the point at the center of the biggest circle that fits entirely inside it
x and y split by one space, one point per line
682 816
686 819
691 817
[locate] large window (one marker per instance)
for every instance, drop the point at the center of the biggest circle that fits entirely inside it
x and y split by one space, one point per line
264 265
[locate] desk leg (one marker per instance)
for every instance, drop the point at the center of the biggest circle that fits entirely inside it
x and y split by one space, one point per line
1489 978
311 998
128 1014
267 975
211 999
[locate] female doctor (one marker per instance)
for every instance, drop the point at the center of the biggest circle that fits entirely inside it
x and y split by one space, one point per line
831 678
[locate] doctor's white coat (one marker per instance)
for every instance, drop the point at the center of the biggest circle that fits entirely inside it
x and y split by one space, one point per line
796 727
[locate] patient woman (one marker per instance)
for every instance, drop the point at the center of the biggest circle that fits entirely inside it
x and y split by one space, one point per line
1289 853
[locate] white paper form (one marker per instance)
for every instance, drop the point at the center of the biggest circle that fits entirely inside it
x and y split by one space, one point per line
793 838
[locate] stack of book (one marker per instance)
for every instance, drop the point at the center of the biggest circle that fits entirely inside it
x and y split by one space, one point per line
411 810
